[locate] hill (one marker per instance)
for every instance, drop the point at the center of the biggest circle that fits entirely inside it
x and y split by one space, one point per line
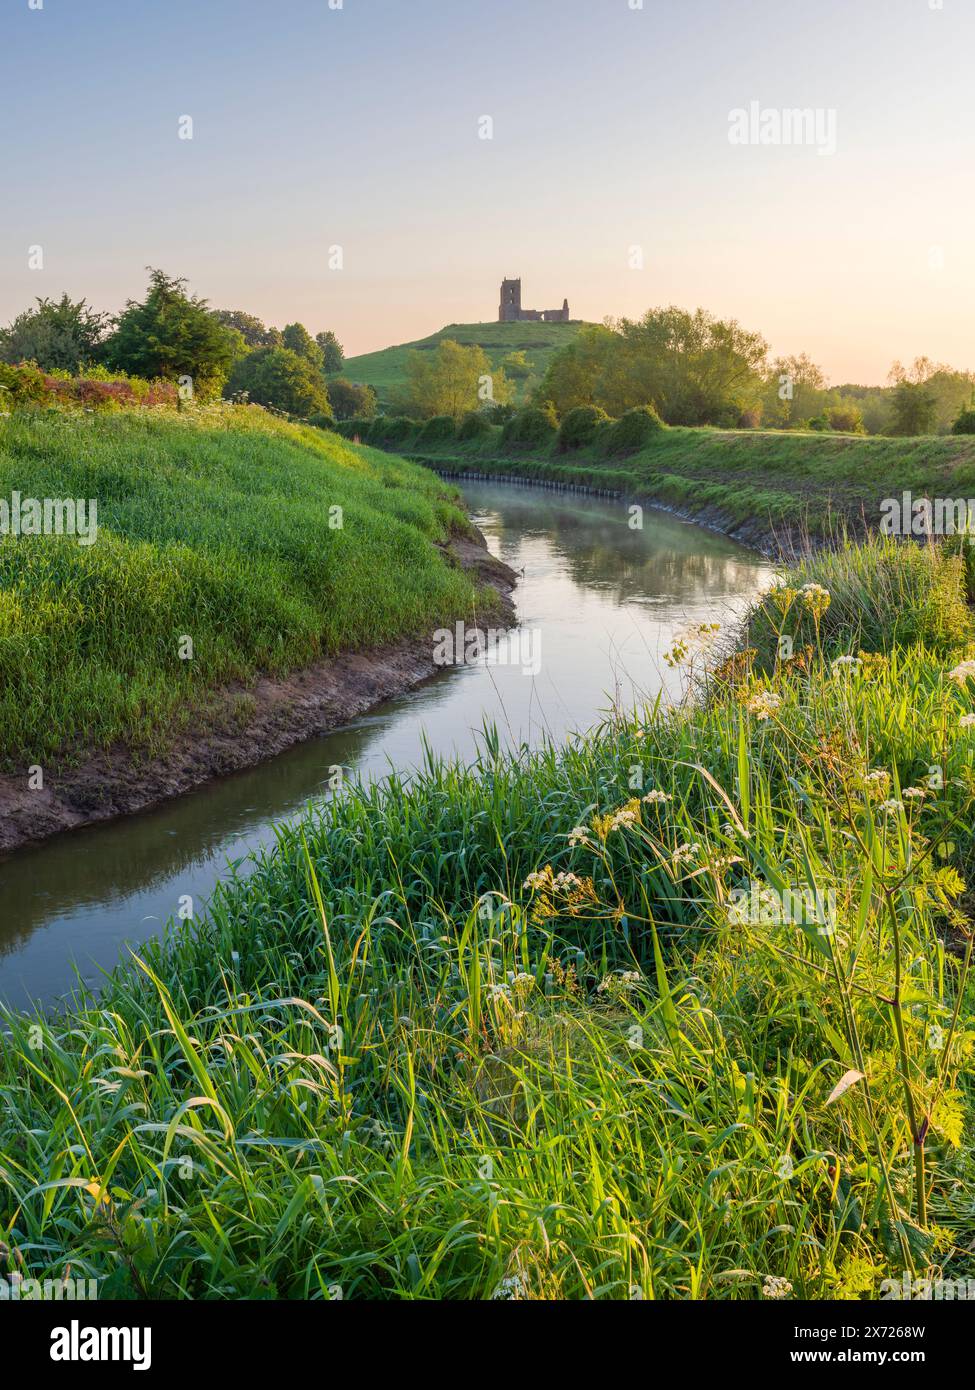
386 369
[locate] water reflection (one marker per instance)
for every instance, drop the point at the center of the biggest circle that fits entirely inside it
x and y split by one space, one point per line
606 600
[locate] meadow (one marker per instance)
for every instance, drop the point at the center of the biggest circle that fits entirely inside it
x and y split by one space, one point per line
540 1027
269 545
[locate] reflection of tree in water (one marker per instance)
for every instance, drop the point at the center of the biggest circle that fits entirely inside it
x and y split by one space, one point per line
668 558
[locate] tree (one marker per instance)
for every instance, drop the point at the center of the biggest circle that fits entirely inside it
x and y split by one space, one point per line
57 335
450 380
846 417
279 378
575 374
249 326
696 369
172 335
351 400
913 404
296 338
796 391
332 351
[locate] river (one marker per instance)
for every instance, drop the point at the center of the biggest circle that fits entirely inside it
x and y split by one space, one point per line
599 602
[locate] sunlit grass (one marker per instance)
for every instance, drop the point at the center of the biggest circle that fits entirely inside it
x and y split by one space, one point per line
404 1059
217 525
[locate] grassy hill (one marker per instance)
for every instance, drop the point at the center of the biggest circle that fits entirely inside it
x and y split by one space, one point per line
217 525
385 370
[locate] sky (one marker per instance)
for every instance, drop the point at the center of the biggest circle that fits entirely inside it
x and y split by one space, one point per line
610 176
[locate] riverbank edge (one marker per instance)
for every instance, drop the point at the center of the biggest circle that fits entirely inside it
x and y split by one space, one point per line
242 725
784 543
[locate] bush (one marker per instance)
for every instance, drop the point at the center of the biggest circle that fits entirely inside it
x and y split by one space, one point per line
98 389
434 431
474 425
533 428
632 431
280 379
392 429
884 593
579 427
351 429
352 400
848 419
965 424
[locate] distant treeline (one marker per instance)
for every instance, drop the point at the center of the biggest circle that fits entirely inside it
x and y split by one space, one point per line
689 368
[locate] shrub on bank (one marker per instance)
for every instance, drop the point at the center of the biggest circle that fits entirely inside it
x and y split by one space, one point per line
390 429
533 428
884 593
474 425
632 431
965 424
580 426
437 429
97 389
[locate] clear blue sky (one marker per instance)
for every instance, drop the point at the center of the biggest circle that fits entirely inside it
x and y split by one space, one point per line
359 127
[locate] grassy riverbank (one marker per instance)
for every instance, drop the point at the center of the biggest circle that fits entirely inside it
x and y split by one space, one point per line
546 1027
748 482
268 545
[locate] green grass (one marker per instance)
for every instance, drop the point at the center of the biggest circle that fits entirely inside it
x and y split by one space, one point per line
387 1065
214 525
765 479
386 370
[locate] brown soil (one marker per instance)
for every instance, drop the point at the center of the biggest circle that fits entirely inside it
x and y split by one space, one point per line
241 726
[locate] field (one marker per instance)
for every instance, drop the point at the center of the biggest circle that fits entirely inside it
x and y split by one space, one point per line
385 370
759 479
216 525
544 1027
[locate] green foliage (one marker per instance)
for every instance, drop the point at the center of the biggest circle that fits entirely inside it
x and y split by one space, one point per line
694 368
485 1083
351 400
450 380
214 521
58 335
171 335
965 424
296 338
913 407
846 417
98 388
333 356
392 430
516 365
533 428
281 380
579 427
357 428
631 432
254 333
438 428
885 593
476 424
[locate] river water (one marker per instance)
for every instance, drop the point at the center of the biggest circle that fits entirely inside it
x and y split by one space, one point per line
599 603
